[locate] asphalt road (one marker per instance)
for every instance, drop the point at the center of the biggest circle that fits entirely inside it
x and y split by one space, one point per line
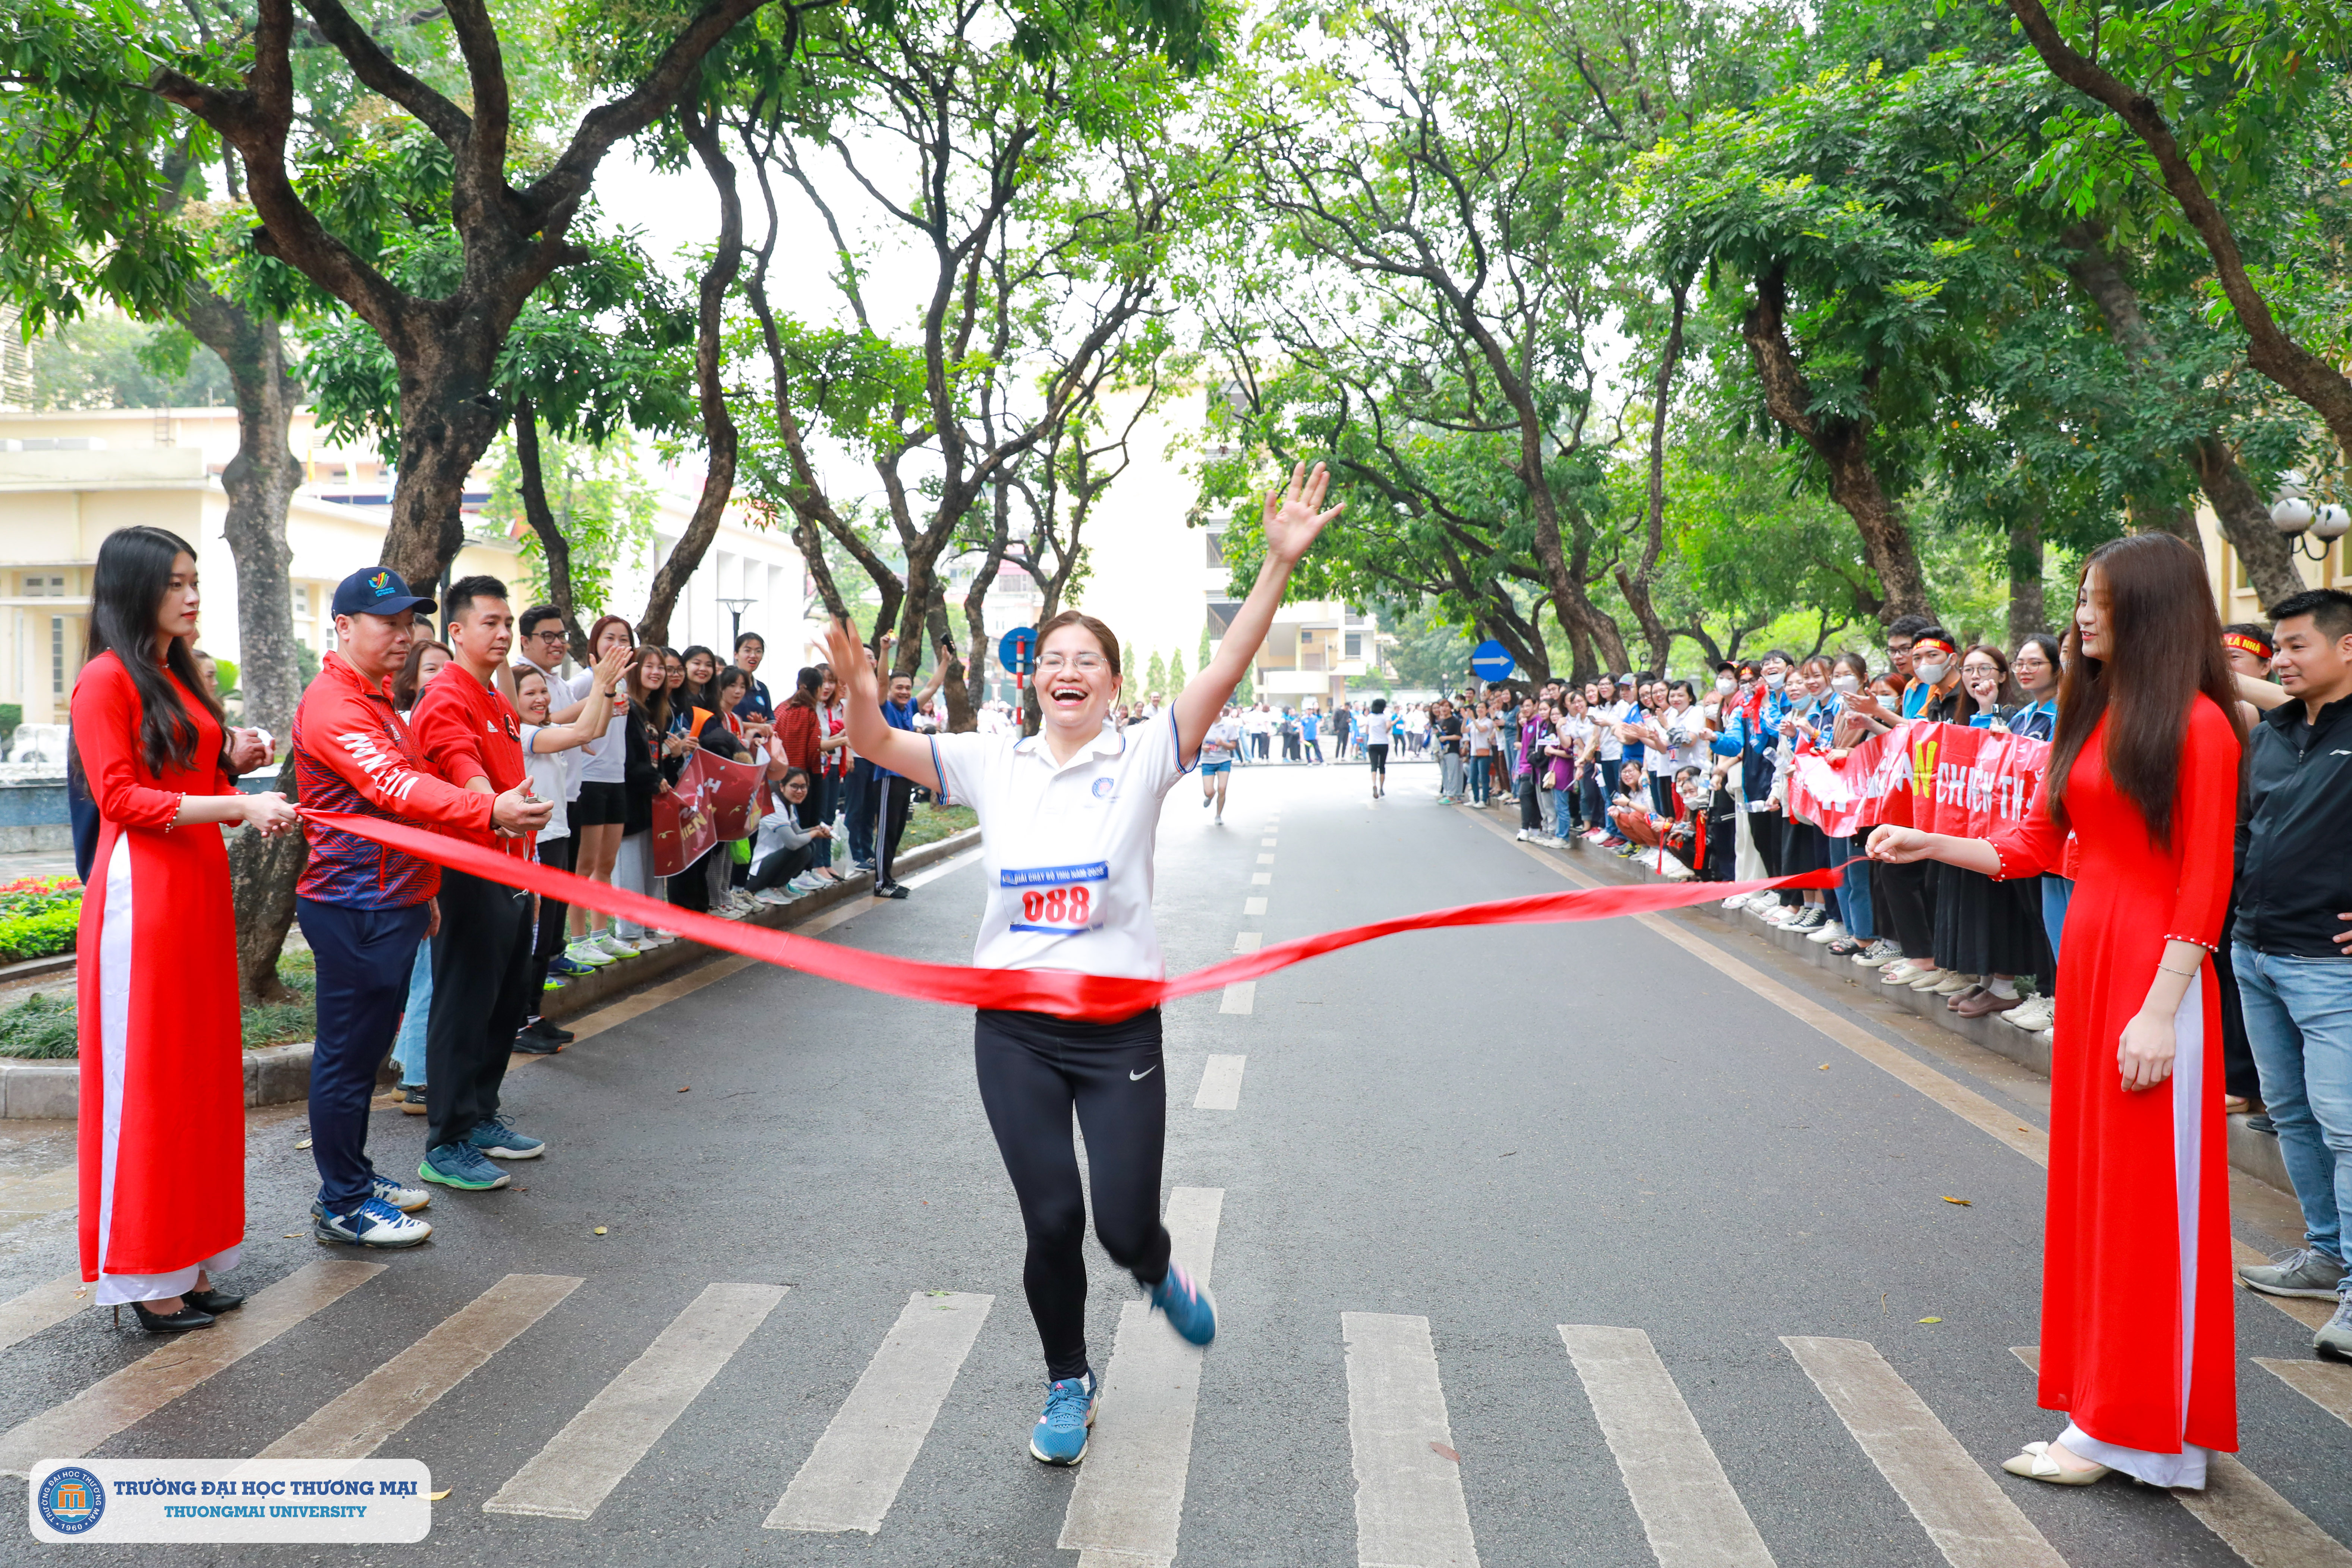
1488 1133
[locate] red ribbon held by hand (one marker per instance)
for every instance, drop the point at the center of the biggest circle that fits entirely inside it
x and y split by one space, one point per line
1061 992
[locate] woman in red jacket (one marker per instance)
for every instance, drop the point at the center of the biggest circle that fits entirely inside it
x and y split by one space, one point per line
2136 1336
162 1094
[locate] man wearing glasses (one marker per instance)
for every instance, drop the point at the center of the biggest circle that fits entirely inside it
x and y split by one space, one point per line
541 642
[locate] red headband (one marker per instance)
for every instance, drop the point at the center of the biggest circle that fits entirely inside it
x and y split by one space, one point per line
2244 644
1924 644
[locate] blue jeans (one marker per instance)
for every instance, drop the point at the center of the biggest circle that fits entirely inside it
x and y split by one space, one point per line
1482 768
2056 893
1853 891
1564 812
2299 1022
408 1047
864 795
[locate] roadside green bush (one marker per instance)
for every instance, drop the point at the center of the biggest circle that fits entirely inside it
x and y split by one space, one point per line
40 1027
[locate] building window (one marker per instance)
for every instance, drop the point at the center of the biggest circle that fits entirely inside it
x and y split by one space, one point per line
38 586
1216 548
1355 645
57 658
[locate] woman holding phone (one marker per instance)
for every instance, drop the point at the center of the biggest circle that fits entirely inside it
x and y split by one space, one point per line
2137 1341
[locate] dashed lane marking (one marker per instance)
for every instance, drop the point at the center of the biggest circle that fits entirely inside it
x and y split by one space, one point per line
1409 1503
1249 941
1240 996
1221 1084
571 1477
1261 878
1252 906
854 1474
1971 1520
1127 1506
359 1422
1688 1510
70 1430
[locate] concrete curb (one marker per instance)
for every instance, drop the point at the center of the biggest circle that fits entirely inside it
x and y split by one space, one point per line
2255 1153
279 1075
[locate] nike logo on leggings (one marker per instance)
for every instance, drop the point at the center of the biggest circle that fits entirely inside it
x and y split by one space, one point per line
1147 1072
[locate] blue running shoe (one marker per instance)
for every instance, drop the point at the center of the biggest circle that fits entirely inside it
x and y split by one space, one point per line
460 1165
568 966
500 1141
1191 1310
1060 1438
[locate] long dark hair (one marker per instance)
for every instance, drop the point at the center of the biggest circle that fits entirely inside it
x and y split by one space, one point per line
654 711
2165 645
405 684
706 694
134 572
804 688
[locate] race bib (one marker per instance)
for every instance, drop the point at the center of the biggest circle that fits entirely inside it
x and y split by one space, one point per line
1060 901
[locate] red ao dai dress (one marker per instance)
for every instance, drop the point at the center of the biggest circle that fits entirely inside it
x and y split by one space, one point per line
163 1080
2137 1341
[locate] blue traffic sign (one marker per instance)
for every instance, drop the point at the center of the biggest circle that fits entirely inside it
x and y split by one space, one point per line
1490 661
1014 647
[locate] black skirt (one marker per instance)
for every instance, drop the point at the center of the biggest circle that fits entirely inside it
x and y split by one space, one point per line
1984 927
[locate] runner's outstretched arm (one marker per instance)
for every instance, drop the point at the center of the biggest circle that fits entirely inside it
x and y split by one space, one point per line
870 735
1292 520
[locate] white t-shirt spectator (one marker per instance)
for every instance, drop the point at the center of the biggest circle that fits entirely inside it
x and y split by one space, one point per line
548 776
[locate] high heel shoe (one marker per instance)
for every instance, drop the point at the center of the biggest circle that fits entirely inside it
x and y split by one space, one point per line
213 1301
187 1317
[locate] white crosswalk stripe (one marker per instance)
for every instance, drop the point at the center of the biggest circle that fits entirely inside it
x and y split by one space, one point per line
22 1317
358 1423
854 1474
70 1430
571 1477
1690 1513
1963 1510
1129 1503
1221 1084
2328 1385
1409 1504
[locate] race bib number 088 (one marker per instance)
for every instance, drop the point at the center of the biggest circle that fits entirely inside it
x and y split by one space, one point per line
1059 901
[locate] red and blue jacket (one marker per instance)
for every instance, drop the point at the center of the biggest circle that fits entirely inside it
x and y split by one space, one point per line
350 753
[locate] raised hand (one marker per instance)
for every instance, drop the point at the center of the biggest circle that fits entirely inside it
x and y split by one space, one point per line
851 665
1293 518
608 669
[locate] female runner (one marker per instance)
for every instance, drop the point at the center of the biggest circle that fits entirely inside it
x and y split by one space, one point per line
1067 818
2137 1337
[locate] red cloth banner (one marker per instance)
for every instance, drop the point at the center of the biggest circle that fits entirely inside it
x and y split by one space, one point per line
1970 782
1839 796
1098 997
710 803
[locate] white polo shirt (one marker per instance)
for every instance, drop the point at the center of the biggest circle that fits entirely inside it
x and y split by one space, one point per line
1067 848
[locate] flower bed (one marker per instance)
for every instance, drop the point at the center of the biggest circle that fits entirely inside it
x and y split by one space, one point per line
39 916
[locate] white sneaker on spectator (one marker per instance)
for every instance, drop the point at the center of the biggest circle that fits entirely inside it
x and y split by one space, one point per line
1829 931
808 882
654 938
2034 1014
772 897
1525 833
609 941
585 951
1880 953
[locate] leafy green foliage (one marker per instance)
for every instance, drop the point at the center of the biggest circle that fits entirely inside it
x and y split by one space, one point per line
104 360
603 508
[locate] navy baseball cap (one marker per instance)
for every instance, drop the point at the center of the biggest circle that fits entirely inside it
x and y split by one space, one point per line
377 590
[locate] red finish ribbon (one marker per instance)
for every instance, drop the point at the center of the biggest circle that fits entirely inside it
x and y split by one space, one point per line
1064 992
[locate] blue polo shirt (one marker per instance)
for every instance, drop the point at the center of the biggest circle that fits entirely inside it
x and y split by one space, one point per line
899 716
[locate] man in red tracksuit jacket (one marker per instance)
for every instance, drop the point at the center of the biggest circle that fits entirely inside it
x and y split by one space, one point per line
364 908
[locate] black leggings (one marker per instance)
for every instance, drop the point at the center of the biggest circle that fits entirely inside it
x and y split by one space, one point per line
1378 757
1033 1069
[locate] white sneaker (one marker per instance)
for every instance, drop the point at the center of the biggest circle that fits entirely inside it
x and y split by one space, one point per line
1880 953
587 953
610 940
1829 932
772 897
407 1200
2034 1014
1526 836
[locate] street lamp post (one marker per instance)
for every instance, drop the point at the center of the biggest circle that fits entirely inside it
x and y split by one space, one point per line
735 608
2295 515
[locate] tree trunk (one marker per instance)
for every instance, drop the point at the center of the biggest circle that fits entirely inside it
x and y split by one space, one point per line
719 434
1635 584
449 413
2245 521
1844 447
952 684
2028 613
260 482
552 542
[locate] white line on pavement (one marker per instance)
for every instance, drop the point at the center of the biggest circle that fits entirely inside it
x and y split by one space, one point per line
22 1317
1221 1084
854 1474
581 1465
1266 859
1252 906
1240 996
357 1422
1129 1504
70 1430
1265 843
1967 1515
1249 941
1409 1506
2326 1385
1688 1510
1260 879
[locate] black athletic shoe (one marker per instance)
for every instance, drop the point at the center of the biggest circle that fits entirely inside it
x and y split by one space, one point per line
548 1029
532 1045
895 890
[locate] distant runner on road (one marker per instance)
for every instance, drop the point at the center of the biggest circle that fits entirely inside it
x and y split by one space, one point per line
1068 822
1217 749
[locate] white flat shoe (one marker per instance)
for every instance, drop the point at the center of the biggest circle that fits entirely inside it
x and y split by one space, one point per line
2035 1464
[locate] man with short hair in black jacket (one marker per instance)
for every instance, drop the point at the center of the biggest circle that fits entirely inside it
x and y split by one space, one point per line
2292 942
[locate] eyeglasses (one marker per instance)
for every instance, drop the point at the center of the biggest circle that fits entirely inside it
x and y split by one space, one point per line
555 635
1084 663
1979 671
